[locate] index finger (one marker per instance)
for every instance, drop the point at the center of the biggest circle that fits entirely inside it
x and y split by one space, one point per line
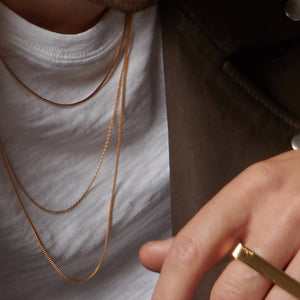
203 242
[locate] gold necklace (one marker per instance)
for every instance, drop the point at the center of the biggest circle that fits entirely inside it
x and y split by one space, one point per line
68 105
83 196
121 92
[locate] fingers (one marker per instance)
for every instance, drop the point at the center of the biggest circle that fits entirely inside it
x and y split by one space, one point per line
261 208
238 280
201 244
153 254
273 233
292 270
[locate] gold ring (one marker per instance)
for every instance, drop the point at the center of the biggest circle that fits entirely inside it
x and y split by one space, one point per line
266 269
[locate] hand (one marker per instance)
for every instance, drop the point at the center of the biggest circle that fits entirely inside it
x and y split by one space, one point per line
260 208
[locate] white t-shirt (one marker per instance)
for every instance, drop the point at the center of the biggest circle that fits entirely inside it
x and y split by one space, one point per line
55 153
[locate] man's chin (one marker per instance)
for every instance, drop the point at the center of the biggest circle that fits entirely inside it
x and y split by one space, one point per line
128 6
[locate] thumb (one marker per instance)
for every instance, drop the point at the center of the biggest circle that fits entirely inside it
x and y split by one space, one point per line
153 254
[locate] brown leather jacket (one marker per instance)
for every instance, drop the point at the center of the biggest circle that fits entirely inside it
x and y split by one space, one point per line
232 71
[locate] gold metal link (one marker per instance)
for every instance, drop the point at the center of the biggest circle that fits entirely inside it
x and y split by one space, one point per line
83 196
121 92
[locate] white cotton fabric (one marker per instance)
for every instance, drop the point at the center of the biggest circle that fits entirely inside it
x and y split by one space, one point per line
55 153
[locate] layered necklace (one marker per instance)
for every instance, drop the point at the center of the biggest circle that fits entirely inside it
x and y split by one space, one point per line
120 94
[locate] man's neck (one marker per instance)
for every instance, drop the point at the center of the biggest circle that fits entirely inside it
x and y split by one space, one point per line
63 16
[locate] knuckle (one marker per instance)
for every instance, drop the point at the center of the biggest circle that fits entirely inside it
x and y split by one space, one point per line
290 213
184 251
265 174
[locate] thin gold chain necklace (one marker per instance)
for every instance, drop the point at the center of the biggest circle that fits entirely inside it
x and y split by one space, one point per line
90 96
121 92
83 196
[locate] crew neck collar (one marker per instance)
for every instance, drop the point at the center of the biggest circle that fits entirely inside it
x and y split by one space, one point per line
17 34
